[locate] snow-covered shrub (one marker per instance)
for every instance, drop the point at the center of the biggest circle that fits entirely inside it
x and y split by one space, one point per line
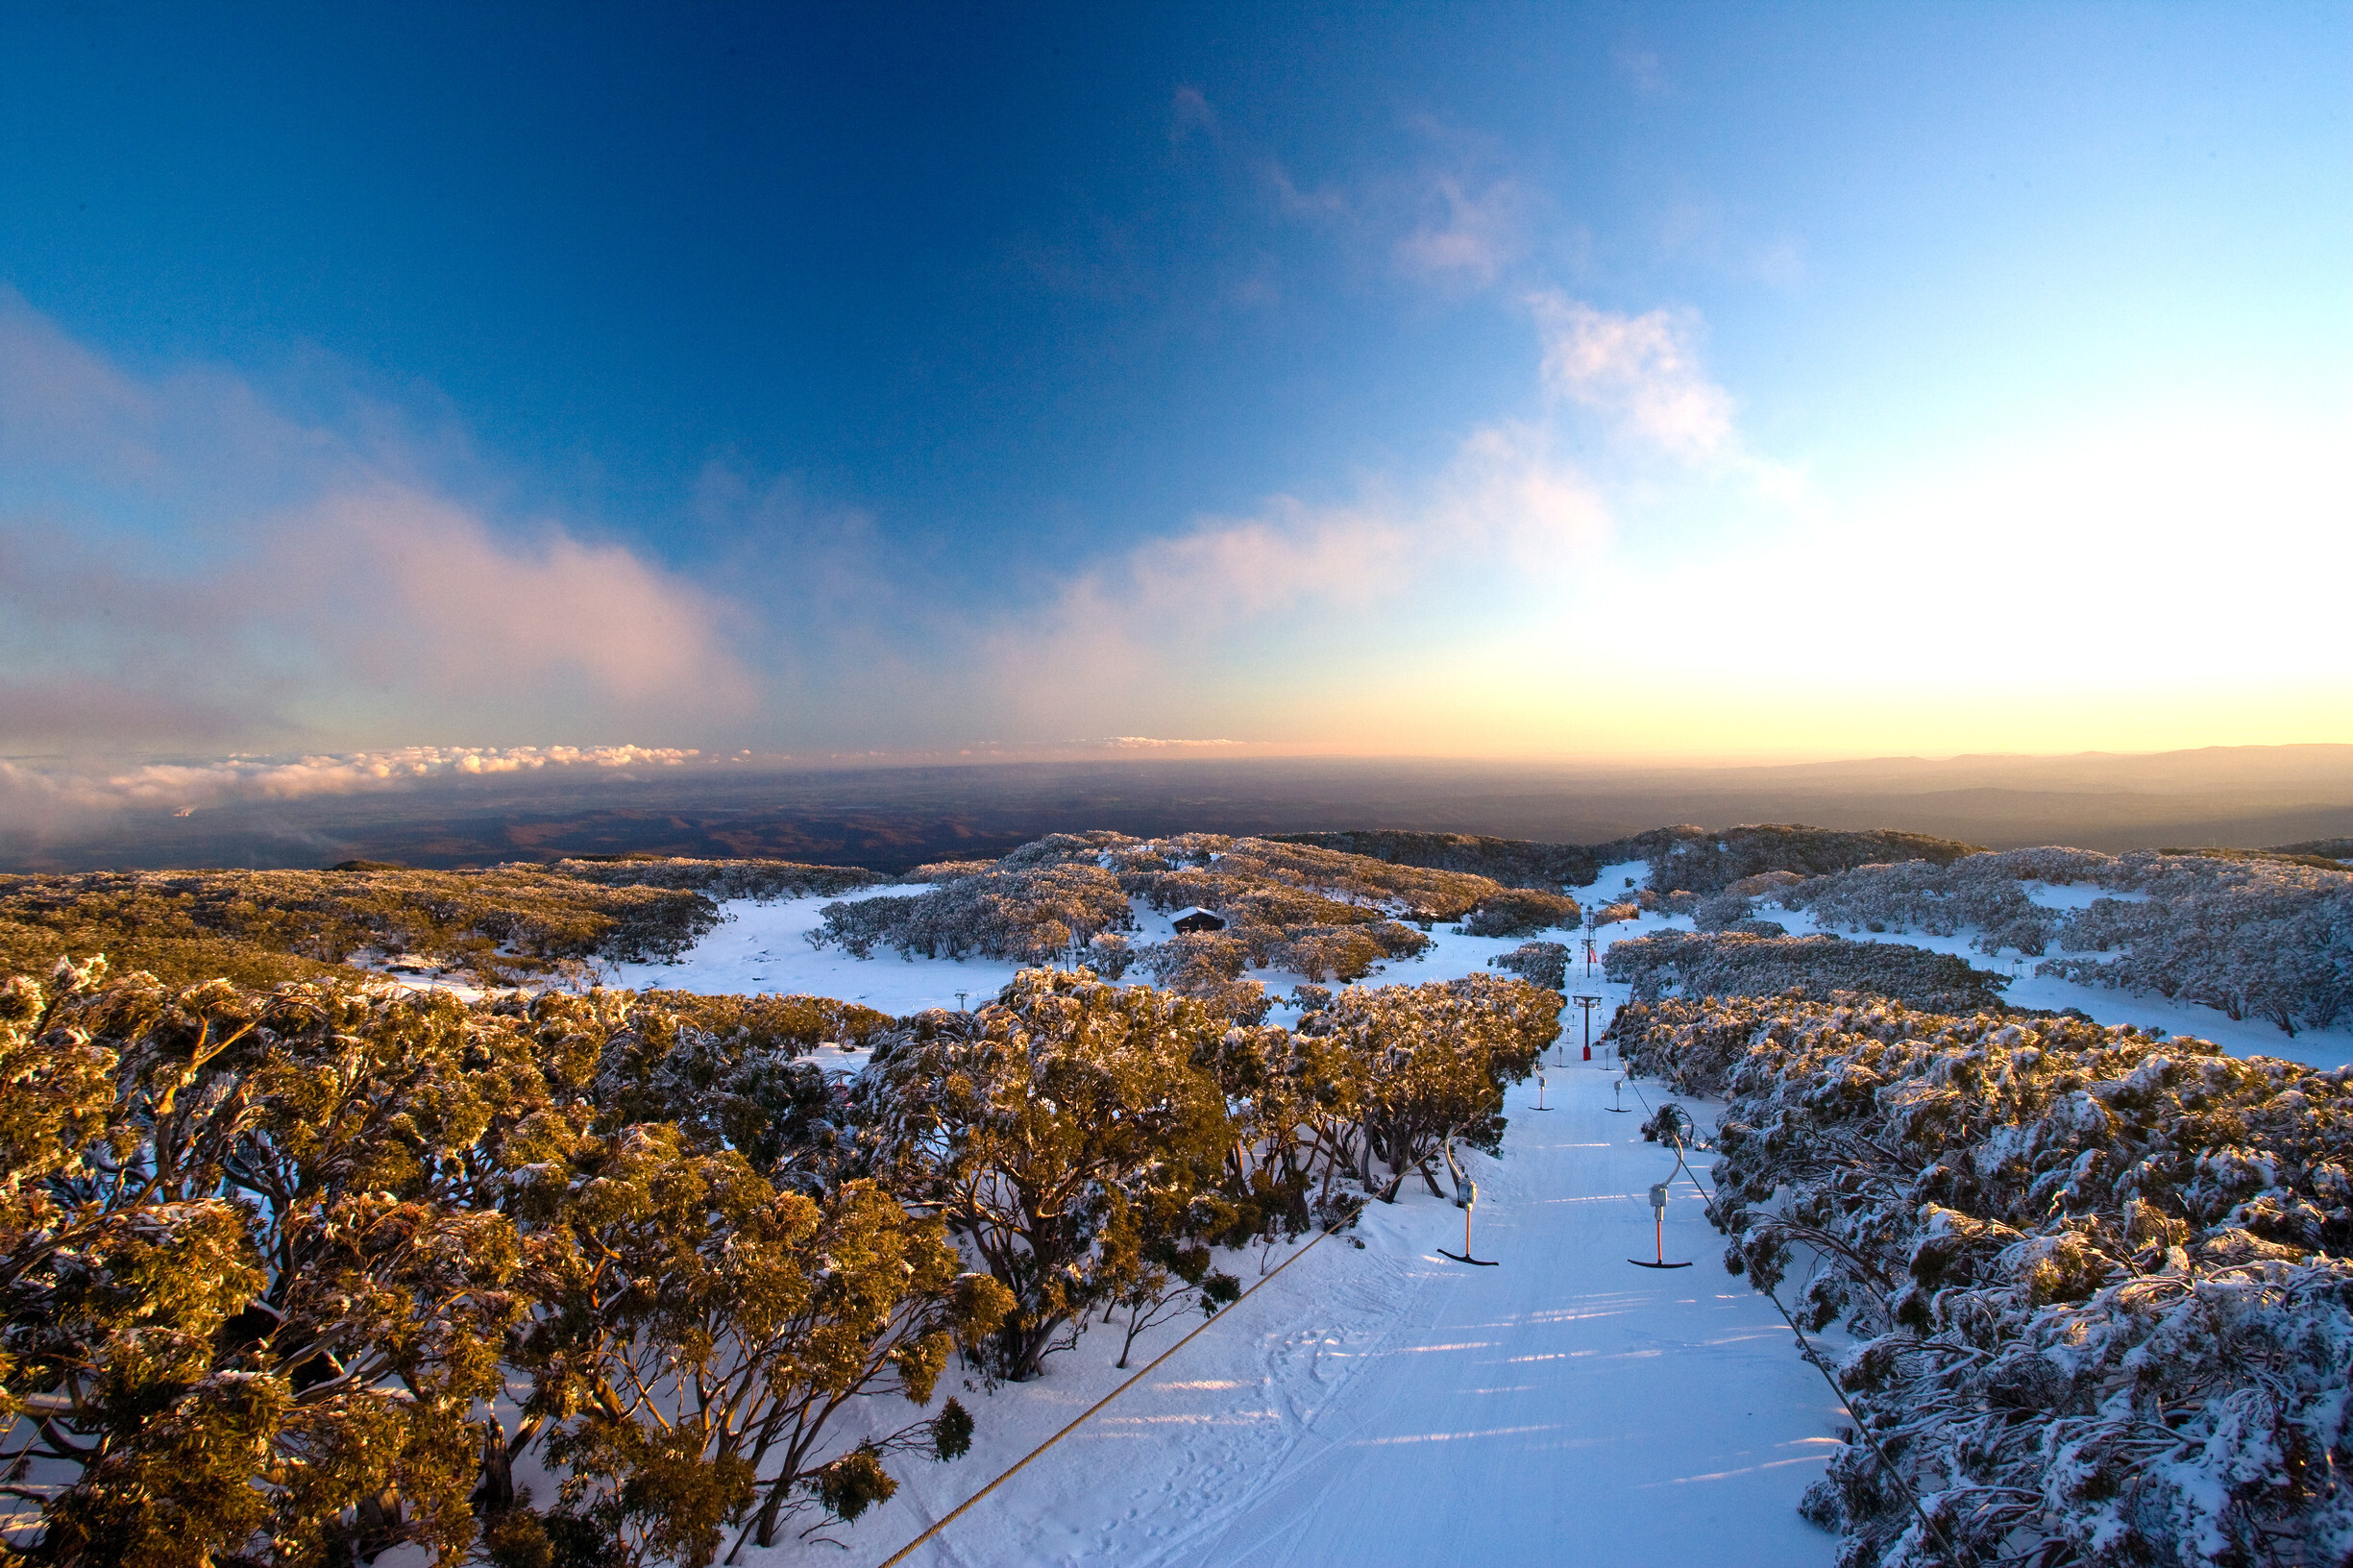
1341 953
2255 939
309 1275
506 924
1405 1069
1520 912
1289 906
1720 910
1733 964
947 870
1109 954
1681 901
1515 863
1209 868
1040 1128
1917 896
1543 963
1025 913
1207 965
2256 936
2099 1278
1702 861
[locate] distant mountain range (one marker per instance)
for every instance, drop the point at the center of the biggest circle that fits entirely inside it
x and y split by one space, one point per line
892 819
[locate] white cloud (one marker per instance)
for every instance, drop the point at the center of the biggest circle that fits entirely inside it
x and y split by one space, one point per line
184 564
42 798
1289 589
1643 371
455 606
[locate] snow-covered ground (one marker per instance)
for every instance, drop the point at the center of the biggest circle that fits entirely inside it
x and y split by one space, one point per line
1384 1405
1389 1405
1381 1405
764 948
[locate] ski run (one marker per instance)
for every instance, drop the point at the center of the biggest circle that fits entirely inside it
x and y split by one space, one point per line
1379 1402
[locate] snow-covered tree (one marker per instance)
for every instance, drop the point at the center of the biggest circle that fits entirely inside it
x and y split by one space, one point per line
2098 1278
1738 964
1543 963
1032 1126
1416 1066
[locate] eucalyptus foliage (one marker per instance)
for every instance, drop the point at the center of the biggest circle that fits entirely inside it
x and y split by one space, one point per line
299 1276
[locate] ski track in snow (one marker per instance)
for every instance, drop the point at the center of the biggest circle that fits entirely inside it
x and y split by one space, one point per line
1389 1405
1384 1405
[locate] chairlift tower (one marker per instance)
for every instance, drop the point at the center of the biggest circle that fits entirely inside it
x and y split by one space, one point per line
1587 1002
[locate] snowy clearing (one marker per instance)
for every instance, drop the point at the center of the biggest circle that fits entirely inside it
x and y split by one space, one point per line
2241 1037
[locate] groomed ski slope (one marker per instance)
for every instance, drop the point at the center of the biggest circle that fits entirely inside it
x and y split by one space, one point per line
1389 1405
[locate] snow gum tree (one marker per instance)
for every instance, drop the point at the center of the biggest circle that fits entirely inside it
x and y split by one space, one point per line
1428 1064
248 1305
301 1277
1037 1127
699 1328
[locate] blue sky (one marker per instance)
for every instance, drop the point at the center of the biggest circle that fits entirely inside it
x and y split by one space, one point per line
1696 380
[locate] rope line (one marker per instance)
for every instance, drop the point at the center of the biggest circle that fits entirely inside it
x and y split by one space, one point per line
950 1517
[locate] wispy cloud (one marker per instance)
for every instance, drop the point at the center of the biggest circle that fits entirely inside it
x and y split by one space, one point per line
1468 234
1642 70
1641 371
1454 217
1294 586
1190 115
